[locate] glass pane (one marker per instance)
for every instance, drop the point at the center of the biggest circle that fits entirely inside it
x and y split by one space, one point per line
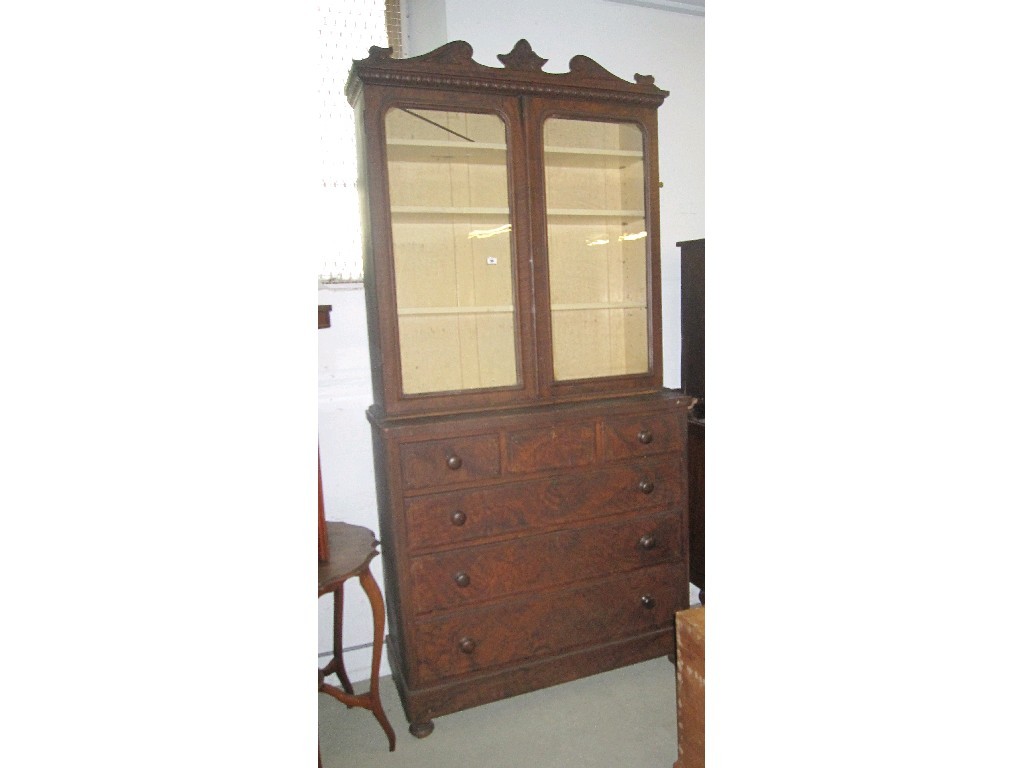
597 248
451 232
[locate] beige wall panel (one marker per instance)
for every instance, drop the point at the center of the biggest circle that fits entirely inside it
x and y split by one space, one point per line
582 187
580 343
634 270
631 190
630 137
488 350
492 283
454 352
578 272
425 184
599 342
486 185
635 329
431 355
425 266
580 133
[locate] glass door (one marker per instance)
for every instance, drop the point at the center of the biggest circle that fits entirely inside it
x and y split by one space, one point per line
596 248
452 248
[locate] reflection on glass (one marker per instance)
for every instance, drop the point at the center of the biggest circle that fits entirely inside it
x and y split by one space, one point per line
597 248
451 233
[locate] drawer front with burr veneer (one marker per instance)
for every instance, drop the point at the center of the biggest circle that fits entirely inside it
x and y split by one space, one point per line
530 545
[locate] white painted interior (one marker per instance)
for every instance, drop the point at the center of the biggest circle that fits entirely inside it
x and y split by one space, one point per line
625 39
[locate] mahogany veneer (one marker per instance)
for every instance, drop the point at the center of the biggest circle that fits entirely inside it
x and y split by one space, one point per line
530 466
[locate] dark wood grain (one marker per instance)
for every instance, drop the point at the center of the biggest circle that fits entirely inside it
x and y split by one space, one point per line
554 447
695 472
545 625
642 435
529 532
565 499
537 532
422 703
534 563
692 319
446 462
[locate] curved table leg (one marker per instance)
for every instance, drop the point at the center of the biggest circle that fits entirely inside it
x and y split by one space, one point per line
377 605
338 660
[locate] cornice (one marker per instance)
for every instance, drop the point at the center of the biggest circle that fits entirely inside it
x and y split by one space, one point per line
451 67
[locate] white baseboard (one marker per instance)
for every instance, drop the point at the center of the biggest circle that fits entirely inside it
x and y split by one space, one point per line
357 665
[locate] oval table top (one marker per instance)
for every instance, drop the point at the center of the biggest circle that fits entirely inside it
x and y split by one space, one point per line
351 548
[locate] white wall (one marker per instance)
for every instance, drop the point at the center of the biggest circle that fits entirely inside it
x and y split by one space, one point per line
424 25
625 40
346 457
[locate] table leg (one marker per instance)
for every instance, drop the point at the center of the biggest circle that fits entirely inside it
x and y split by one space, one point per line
377 605
338 661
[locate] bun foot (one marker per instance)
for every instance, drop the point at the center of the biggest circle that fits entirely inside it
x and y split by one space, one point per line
422 730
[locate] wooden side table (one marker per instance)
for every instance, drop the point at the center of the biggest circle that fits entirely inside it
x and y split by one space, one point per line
351 548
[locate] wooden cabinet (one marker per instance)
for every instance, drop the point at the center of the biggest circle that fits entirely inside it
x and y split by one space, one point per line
692 373
530 466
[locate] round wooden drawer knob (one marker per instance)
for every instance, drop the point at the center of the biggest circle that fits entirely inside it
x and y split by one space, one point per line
458 517
462 579
645 436
646 486
647 602
454 462
467 645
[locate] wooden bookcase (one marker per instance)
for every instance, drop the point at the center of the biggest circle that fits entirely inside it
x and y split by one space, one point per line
530 465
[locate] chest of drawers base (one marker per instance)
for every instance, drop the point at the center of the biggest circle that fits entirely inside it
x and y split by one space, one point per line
531 547
421 705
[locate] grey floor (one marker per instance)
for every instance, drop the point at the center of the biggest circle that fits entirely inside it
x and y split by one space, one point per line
625 718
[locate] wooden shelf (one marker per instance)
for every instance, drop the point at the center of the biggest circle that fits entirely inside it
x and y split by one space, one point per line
438 210
607 213
424 311
599 305
426 151
597 159
562 213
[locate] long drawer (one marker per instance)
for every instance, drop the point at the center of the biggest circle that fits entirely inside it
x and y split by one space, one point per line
458 517
535 626
471 453
530 564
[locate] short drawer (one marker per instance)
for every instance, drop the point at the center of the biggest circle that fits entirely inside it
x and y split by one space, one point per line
456 517
556 622
556 447
460 577
641 435
443 462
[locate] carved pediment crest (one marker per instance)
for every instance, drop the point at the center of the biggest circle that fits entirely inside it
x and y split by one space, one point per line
522 57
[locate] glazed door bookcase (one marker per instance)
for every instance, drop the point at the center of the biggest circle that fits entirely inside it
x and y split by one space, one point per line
514 243
530 466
